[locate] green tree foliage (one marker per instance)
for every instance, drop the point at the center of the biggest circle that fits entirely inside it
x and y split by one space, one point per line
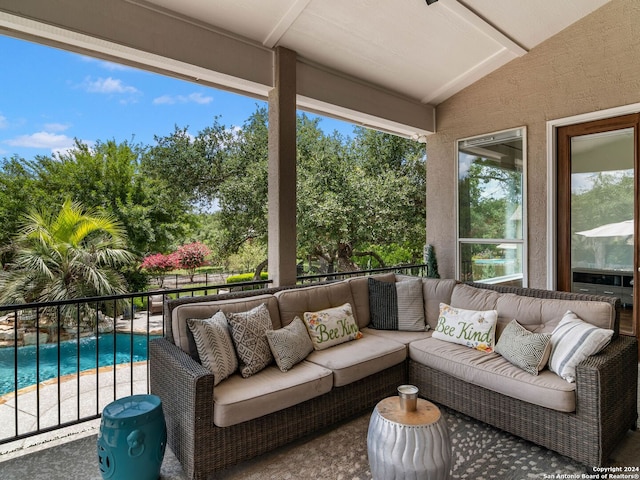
244 187
72 254
195 166
19 191
108 177
354 194
345 200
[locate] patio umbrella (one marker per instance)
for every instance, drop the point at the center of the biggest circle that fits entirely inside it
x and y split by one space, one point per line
618 229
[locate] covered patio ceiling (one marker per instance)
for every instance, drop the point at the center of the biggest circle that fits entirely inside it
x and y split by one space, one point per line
379 63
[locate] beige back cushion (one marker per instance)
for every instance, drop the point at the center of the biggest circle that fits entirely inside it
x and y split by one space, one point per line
293 303
539 315
360 292
435 291
543 315
472 298
183 337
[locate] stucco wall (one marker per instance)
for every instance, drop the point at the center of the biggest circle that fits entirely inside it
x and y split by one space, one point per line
592 65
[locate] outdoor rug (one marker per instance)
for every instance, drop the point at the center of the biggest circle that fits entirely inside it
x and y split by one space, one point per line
479 452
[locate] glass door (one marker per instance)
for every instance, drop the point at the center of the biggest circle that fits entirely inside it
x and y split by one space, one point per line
597 211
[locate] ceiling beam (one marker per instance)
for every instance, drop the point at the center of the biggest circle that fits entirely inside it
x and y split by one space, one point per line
508 50
339 96
297 7
482 25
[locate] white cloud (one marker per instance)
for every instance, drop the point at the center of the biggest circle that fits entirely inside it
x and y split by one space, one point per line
198 98
64 150
42 140
113 67
107 85
56 127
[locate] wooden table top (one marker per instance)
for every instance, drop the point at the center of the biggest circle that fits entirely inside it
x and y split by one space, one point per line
425 414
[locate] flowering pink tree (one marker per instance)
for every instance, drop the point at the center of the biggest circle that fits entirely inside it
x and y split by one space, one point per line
192 256
157 264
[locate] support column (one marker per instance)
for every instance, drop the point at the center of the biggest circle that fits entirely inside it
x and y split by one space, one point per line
282 170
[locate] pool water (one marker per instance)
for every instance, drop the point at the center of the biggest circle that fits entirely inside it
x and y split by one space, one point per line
68 358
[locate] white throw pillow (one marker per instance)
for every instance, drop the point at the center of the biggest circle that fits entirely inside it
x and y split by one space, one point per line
572 341
472 328
331 326
215 347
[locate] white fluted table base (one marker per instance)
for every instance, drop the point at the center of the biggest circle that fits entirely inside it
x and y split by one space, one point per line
408 445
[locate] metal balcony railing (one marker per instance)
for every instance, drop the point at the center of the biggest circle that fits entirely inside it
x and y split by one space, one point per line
62 362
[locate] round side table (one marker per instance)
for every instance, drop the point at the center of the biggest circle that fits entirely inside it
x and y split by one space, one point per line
132 439
408 445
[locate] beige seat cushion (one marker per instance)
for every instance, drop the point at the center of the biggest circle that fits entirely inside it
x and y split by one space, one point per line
398 336
491 371
238 399
355 360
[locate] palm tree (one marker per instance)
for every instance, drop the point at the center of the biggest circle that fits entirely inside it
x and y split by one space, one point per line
71 255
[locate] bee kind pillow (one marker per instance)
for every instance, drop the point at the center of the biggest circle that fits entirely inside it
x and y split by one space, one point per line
472 328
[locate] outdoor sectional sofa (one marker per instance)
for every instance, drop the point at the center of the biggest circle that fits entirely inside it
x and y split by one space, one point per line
211 428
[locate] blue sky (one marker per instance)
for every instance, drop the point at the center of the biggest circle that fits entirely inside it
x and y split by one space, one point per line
50 96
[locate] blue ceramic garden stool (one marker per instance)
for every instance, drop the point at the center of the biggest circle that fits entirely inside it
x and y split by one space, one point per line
132 438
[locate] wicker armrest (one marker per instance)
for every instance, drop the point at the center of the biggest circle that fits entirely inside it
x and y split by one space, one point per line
186 390
607 384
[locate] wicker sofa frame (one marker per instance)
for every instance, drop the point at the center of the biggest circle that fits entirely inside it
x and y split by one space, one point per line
606 402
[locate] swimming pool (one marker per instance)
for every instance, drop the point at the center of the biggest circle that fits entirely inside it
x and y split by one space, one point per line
68 358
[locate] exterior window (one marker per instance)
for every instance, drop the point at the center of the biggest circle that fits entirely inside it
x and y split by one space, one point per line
491 208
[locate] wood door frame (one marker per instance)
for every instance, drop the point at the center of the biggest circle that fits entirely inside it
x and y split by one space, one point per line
563 191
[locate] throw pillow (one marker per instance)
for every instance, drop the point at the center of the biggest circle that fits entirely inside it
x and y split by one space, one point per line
396 305
331 326
527 350
572 341
290 344
248 330
475 329
214 344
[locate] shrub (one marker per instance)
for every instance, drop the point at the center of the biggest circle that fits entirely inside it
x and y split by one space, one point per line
137 279
158 263
246 277
192 256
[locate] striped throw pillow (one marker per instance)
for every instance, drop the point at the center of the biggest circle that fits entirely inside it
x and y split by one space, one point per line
396 305
572 341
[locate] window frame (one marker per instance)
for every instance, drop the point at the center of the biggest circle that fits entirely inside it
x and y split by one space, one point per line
523 242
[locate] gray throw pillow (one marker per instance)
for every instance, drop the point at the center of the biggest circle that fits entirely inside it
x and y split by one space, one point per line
248 330
527 350
397 305
290 344
215 347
